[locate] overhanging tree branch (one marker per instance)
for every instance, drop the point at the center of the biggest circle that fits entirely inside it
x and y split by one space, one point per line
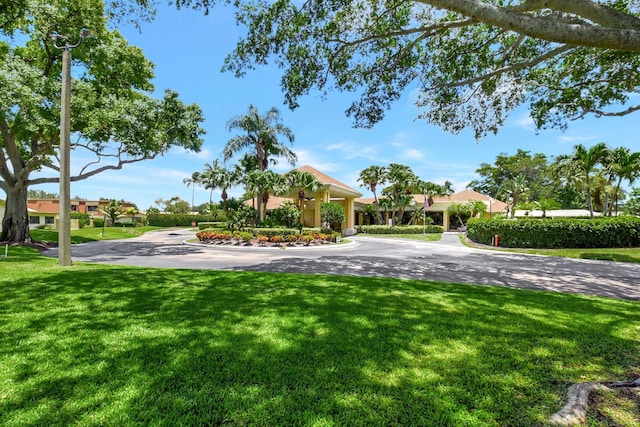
625 39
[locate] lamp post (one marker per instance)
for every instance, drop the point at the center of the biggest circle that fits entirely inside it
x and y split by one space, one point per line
64 222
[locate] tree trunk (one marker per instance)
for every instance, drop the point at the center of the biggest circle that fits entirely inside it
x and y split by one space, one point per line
15 224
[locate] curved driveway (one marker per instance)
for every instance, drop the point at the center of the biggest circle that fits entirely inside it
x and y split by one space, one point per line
447 261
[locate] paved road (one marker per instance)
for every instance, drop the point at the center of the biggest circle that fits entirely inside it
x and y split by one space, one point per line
447 260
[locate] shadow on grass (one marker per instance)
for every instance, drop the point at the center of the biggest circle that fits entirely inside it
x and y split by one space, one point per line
128 346
604 256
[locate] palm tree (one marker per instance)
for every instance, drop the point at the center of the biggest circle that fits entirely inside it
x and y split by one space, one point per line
583 162
402 180
476 208
459 210
303 181
216 176
623 165
262 183
262 134
113 210
195 179
371 177
545 205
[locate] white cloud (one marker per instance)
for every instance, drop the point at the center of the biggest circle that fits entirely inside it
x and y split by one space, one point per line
412 154
575 138
525 121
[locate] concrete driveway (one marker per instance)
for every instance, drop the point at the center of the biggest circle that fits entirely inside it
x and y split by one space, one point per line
447 261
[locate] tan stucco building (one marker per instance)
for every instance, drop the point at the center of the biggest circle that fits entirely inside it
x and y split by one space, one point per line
332 191
438 206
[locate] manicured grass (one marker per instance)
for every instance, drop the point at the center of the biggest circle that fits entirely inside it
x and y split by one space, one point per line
89 234
429 237
605 254
104 345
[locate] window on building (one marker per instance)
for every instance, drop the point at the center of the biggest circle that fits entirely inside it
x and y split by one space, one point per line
49 220
92 208
74 208
34 220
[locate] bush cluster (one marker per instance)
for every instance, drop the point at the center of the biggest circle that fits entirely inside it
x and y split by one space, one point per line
399 229
175 220
211 224
557 232
84 219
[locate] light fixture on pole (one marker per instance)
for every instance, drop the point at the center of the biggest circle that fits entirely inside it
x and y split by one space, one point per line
64 222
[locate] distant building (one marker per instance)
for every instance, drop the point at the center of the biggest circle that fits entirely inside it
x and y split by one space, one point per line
46 211
438 207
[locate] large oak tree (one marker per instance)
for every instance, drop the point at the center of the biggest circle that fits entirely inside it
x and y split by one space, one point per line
114 117
470 62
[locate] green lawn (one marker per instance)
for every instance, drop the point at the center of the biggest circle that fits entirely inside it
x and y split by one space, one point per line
97 345
89 234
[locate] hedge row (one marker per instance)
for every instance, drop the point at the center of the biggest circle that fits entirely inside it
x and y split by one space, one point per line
175 220
212 224
558 232
399 229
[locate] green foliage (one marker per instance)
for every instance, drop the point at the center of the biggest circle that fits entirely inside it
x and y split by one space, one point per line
287 214
242 217
174 220
113 210
632 206
84 219
174 205
399 229
98 222
41 194
471 63
204 225
114 113
558 232
270 232
331 213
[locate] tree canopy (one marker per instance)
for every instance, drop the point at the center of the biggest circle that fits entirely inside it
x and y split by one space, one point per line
470 62
114 118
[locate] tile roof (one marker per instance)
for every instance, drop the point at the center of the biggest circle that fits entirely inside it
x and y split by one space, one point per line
326 179
459 197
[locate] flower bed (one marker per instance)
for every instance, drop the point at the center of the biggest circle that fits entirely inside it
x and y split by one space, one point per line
215 237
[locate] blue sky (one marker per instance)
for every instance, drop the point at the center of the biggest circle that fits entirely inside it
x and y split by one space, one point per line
188 50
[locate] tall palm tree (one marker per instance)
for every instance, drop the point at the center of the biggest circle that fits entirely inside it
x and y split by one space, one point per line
261 137
371 177
303 181
195 179
622 164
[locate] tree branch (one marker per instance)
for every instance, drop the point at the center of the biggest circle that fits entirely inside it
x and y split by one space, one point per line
515 67
580 34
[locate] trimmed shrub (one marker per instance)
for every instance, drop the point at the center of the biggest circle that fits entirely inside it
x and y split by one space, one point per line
211 224
269 232
83 218
98 222
175 220
557 232
399 229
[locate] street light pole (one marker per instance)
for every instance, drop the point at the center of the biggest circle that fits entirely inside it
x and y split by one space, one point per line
64 221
